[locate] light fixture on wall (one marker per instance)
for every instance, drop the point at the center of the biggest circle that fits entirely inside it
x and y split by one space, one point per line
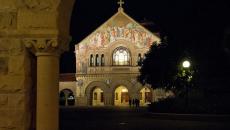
108 81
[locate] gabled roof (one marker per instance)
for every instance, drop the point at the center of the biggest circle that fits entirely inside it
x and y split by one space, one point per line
119 23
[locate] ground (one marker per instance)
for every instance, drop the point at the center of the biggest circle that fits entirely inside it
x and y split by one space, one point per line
114 118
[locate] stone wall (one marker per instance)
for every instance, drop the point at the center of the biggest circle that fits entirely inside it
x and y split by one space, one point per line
15 86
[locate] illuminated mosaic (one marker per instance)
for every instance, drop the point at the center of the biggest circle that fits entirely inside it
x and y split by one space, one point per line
130 32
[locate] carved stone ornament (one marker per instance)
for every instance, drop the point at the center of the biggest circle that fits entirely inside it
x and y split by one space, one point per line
7 20
133 80
46 45
80 82
40 4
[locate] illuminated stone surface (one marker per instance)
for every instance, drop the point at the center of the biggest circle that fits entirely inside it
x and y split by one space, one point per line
108 58
33 33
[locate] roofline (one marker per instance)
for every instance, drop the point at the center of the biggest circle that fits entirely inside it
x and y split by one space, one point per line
67 73
119 11
99 27
139 24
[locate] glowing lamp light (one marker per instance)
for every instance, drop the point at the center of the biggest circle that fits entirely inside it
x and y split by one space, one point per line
70 97
124 90
186 64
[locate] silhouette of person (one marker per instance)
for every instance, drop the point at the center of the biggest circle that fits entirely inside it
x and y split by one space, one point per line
136 102
130 102
133 102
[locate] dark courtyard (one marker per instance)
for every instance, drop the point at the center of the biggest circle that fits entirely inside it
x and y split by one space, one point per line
114 118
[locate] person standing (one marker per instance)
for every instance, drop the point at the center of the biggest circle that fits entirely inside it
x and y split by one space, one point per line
133 102
136 102
130 102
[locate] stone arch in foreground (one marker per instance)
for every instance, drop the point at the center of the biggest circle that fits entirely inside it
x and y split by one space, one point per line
33 34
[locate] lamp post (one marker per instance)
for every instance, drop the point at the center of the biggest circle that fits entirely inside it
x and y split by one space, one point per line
186 78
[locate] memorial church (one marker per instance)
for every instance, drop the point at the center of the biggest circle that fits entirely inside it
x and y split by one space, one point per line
107 65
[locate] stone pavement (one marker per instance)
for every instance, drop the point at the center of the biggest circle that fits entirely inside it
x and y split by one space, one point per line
114 118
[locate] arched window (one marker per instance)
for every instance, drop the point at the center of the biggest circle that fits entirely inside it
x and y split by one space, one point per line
139 59
102 60
97 62
121 56
91 60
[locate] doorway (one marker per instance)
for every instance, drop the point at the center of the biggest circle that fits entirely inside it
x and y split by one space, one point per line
98 97
145 96
121 96
66 98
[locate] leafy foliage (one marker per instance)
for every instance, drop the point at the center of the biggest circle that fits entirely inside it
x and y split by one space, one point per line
159 66
162 68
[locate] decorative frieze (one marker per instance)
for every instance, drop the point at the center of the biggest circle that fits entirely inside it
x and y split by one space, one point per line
40 4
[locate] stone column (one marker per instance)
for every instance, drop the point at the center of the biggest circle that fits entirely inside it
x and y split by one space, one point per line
47 105
47 91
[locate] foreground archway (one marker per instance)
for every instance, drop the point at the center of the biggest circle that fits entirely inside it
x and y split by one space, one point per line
41 26
121 96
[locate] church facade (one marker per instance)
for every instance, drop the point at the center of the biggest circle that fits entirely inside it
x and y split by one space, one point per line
108 63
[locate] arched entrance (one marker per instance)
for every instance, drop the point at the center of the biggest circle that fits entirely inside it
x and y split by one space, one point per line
145 96
99 89
98 97
66 97
121 96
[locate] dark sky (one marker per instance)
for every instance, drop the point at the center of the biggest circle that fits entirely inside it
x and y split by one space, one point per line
200 26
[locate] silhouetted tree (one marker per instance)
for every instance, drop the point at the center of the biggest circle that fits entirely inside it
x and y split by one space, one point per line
161 67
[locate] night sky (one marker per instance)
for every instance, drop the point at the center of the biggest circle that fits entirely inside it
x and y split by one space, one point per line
200 27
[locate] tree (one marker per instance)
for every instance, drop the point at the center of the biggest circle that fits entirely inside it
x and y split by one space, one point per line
161 67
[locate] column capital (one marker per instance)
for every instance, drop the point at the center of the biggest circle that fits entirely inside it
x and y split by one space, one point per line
46 46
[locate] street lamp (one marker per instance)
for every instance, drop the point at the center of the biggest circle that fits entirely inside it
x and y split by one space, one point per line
186 77
186 64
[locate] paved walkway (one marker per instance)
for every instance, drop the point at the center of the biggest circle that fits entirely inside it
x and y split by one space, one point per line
114 118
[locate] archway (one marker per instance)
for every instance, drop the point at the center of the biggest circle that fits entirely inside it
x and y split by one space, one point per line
66 97
45 25
121 96
98 97
145 96
98 87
